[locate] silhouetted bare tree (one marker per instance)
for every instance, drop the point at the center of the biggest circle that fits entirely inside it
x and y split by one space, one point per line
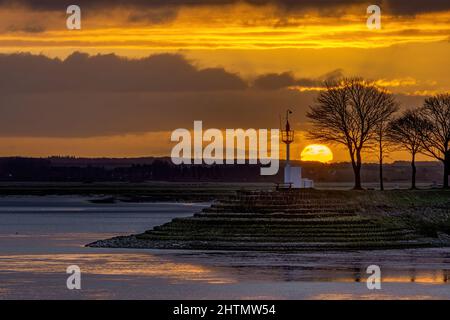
382 145
436 142
348 113
406 131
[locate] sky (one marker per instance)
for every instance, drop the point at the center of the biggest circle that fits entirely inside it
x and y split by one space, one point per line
137 70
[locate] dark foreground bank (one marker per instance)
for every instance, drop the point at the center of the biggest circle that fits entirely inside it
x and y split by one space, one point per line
305 220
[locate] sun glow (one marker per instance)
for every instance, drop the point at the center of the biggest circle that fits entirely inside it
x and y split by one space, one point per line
317 152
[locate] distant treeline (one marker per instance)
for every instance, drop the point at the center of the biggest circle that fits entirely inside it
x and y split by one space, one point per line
68 169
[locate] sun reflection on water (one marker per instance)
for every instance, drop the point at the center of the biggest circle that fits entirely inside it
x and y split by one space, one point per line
145 265
371 296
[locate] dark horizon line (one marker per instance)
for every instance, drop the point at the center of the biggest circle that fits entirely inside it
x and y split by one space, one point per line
68 157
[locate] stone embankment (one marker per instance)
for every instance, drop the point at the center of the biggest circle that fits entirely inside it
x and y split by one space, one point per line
289 220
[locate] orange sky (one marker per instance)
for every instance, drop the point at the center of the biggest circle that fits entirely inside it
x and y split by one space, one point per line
408 56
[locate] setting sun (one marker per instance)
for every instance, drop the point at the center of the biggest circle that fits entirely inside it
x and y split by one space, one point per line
317 152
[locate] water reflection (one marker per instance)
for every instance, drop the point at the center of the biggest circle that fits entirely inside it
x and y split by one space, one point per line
234 267
247 275
37 246
142 265
371 296
431 266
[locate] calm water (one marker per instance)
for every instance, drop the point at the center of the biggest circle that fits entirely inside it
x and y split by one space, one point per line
41 236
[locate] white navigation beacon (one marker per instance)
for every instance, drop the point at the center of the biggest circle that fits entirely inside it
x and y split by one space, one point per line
292 175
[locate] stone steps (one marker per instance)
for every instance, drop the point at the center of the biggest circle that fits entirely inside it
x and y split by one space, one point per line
277 246
292 202
300 237
278 239
278 229
281 207
284 215
287 233
275 210
282 201
282 221
303 230
273 221
279 221
279 232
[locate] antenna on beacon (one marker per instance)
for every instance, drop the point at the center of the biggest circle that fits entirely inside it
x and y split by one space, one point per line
287 136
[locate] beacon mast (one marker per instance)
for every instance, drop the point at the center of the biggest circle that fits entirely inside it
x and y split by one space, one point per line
287 136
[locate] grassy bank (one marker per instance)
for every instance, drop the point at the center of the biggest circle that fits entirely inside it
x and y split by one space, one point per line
298 220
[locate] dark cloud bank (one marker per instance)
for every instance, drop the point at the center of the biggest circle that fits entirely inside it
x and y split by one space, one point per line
400 7
81 72
275 81
84 96
105 94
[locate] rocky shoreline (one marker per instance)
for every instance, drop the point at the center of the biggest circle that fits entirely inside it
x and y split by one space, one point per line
133 242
